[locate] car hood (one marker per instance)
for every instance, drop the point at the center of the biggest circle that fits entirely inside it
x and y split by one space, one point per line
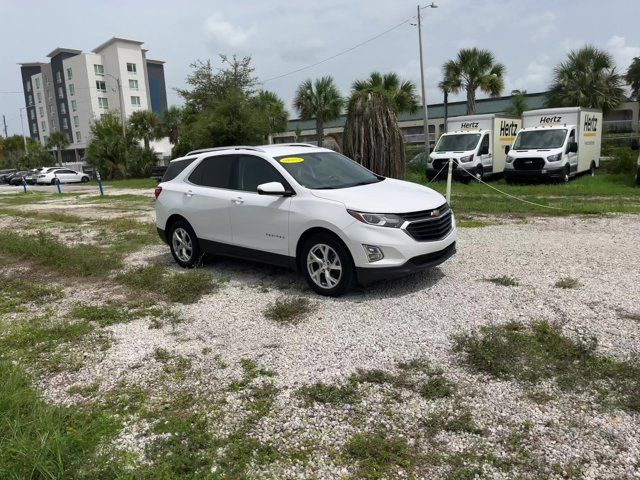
388 196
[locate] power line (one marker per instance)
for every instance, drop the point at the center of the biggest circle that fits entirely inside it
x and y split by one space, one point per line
375 37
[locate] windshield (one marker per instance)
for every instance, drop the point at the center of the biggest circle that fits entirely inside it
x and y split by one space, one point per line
540 139
458 142
326 170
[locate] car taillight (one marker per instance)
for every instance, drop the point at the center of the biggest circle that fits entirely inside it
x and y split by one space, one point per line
157 192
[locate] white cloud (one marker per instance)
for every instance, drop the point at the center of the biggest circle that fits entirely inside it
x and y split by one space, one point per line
539 25
221 31
305 52
622 52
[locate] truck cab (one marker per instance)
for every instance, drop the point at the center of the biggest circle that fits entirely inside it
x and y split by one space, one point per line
470 151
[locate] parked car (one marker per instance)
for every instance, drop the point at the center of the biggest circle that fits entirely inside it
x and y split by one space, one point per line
636 146
5 174
16 178
64 175
303 207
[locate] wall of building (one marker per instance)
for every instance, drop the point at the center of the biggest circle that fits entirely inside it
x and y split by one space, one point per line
26 72
157 87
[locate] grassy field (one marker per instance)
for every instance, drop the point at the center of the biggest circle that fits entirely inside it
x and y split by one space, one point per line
128 183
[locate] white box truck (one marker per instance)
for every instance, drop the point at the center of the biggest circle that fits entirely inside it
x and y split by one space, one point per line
555 143
476 144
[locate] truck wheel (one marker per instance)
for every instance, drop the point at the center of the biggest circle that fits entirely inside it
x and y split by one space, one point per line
479 173
592 169
566 174
638 177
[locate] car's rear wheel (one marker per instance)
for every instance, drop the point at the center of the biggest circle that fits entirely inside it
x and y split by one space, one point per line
184 244
327 265
84 179
53 181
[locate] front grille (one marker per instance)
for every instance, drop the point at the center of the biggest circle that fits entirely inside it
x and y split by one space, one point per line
425 227
438 163
528 163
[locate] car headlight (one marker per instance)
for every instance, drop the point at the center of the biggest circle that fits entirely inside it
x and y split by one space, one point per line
378 219
468 158
430 159
554 158
509 159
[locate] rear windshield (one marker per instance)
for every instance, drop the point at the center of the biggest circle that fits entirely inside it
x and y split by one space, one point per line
458 142
175 167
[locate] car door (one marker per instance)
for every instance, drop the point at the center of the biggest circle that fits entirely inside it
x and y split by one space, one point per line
572 156
65 175
259 222
206 199
486 157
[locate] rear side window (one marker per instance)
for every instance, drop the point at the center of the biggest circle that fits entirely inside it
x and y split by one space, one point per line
213 172
174 168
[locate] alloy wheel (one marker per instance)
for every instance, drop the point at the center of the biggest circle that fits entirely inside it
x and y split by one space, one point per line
182 244
324 266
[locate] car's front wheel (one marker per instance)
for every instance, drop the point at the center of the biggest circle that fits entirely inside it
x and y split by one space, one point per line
327 265
184 244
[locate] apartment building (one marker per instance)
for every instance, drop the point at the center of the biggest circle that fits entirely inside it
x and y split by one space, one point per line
74 88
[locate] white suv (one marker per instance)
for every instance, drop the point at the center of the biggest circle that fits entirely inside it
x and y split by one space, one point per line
303 207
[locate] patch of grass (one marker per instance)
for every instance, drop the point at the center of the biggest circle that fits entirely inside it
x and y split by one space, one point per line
125 398
379 455
219 360
16 292
288 310
335 395
110 313
181 287
162 355
541 352
460 421
567 282
50 216
436 387
85 390
504 280
82 260
129 183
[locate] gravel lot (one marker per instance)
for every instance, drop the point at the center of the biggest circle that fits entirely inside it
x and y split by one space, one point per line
401 320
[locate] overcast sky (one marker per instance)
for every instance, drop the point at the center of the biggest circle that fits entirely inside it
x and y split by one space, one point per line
528 37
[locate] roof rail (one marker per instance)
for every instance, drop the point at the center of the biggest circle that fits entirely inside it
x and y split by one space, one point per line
216 149
292 145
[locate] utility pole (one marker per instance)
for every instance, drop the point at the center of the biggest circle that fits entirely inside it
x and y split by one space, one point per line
121 102
425 115
24 139
4 120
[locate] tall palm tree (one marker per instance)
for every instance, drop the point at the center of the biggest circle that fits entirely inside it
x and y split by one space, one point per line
446 88
171 122
320 100
474 69
275 112
145 125
587 78
518 103
372 135
58 141
632 77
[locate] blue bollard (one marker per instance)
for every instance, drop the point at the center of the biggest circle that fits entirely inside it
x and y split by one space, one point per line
24 185
99 183
57 181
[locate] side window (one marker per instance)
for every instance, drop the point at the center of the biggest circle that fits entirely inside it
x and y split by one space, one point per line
485 144
174 168
254 171
213 172
572 138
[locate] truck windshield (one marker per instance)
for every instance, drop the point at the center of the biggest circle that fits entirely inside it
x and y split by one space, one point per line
458 142
540 139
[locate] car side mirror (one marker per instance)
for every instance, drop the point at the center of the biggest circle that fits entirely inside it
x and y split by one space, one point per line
573 147
634 144
507 148
273 188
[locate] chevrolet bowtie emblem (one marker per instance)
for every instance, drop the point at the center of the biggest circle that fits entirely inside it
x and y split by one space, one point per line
435 213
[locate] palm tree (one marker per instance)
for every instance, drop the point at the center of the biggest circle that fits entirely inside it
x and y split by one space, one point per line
58 141
372 135
587 78
171 122
145 125
474 69
320 100
518 103
632 77
274 110
446 88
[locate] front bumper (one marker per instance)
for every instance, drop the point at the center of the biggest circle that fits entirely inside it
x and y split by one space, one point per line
461 171
413 265
544 174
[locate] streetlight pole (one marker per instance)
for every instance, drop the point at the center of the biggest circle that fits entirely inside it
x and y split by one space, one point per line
425 115
121 102
24 139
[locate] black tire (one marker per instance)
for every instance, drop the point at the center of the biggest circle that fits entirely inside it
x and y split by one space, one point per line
566 175
479 173
84 179
53 181
638 177
592 169
180 256
347 278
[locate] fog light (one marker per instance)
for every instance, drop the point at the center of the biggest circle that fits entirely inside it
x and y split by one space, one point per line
374 253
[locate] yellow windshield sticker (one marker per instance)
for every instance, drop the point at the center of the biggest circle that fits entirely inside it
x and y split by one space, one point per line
292 160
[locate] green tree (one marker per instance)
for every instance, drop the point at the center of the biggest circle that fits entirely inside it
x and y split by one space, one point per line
446 88
474 69
274 112
587 78
518 103
109 151
372 135
171 122
58 141
145 125
632 77
320 100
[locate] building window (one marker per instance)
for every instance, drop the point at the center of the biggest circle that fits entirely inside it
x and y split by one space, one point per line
74 105
34 127
131 68
32 114
58 77
63 108
72 89
60 92
65 124
28 85
103 103
101 86
98 69
44 126
37 83
46 80
39 97
69 73
30 99
76 121
78 137
133 84
41 111
135 101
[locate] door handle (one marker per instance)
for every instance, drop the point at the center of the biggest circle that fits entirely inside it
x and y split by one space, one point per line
238 200
189 193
